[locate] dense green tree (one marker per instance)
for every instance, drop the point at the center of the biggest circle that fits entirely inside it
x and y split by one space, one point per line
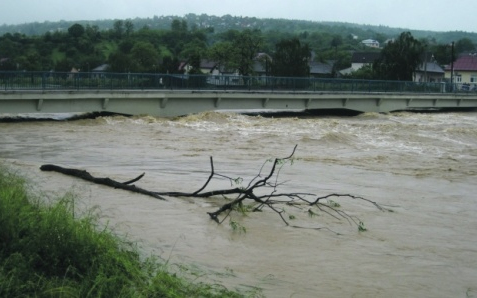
8 47
320 40
194 47
118 28
336 42
73 53
179 26
76 30
30 61
85 46
291 59
128 28
7 64
246 47
181 42
464 45
399 59
237 50
93 33
221 52
170 65
64 65
119 62
341 60
441 53
126 46
144 57
194 61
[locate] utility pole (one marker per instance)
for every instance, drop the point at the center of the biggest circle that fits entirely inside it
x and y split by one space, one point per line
452 67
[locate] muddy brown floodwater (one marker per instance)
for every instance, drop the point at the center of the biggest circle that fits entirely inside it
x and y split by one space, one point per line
422 166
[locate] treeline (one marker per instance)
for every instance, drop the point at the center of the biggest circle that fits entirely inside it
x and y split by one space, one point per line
128 49
227 22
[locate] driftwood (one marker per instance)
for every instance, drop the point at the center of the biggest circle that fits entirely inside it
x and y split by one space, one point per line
104 181
273 200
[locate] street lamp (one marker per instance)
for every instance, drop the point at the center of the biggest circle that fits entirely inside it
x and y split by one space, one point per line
452 67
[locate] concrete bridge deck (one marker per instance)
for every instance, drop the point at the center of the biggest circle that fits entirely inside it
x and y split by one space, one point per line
171 103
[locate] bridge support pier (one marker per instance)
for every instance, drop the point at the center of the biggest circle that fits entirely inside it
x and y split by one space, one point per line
105 103
163 102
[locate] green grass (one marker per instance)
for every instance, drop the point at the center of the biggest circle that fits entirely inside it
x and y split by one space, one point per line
46 252
107 47
57 55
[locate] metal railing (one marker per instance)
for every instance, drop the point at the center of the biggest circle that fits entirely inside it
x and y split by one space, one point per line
148 81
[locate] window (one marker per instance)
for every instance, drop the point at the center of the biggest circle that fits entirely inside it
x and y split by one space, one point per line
458 78
473 78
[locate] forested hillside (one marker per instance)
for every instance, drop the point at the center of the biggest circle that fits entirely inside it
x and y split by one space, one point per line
227 22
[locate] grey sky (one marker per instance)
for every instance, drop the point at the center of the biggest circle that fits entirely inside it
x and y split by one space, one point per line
436 15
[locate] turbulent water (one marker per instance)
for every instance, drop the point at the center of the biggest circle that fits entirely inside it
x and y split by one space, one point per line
421 166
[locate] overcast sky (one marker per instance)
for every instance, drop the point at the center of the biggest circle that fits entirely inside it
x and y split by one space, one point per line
436 15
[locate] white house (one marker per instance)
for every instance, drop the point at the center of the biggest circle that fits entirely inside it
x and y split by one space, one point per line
371 43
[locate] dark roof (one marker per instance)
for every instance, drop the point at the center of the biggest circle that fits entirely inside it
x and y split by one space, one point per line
207 64
430 67
364 57
320 68
212 65
465 63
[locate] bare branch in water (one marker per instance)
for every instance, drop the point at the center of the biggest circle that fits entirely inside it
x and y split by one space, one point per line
274 200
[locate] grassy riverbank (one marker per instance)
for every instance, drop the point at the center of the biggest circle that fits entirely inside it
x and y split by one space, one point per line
46 252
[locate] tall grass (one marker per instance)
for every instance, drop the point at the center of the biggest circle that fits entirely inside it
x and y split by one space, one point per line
46 252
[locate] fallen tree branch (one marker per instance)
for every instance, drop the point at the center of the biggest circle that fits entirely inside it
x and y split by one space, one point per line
104 181
273 200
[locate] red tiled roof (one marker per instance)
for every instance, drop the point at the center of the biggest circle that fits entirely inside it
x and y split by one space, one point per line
465 63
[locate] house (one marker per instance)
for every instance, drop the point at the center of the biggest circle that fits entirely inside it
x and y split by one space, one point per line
465 71
262 64
429 72
360 59
73 73
208 67
101 68
99 71
218 74
320 69
184 67
371 43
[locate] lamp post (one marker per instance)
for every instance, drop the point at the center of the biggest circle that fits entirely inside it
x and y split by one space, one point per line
452 67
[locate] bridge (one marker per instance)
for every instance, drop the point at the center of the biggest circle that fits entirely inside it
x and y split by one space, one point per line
176 95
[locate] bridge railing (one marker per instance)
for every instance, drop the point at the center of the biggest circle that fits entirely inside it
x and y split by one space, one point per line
148 81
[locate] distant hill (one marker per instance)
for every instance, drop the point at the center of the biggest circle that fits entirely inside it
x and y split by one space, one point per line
227 22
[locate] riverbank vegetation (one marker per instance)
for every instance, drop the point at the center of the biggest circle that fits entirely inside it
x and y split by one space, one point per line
46 251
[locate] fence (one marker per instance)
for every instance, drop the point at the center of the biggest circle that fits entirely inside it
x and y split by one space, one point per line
145 81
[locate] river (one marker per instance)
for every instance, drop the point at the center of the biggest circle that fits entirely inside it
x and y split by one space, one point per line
422 166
